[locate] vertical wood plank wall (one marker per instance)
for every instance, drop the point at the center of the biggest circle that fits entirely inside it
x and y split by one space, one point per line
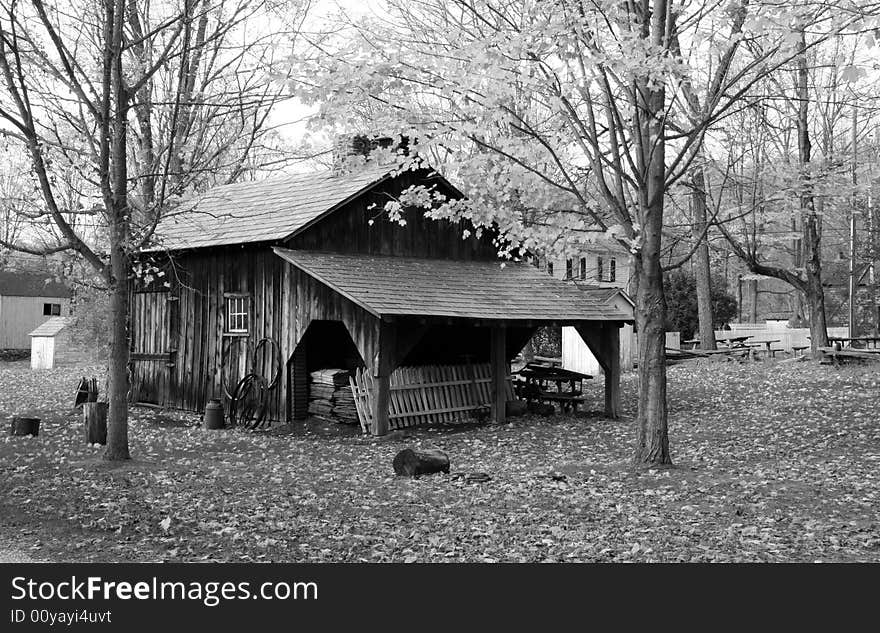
178 335
283 302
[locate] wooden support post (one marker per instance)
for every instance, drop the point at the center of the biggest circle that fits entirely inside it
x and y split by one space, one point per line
385 364
498 361
604 342
612 373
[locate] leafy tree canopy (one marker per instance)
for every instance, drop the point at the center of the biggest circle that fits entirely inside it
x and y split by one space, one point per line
680 289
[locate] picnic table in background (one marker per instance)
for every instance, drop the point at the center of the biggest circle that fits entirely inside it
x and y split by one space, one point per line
834 354
729 342
870 342
766 342
538 378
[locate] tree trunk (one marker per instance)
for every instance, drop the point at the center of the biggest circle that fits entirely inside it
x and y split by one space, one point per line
702 271
739 298
116 200
652 446
814 292
810 222
653 440
753 301
117 423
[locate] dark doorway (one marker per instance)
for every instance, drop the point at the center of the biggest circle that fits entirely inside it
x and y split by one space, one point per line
325 345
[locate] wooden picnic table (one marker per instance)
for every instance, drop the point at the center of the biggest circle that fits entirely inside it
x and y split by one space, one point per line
766 343
871 342
539 378
837 356
728 341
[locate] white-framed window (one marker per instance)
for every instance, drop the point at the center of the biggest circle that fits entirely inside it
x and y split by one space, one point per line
582 273
237 313
51 309
612 270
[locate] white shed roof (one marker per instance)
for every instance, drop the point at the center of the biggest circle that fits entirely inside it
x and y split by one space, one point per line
51 327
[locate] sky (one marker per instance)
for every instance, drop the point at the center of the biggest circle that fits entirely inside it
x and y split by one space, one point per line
291 116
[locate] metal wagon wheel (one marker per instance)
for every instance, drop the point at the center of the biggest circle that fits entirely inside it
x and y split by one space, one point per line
228 389
249 402
276 358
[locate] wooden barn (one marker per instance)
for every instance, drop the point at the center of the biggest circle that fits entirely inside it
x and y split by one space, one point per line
28 299
286 276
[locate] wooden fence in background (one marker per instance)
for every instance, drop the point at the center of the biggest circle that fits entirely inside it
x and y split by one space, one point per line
432 394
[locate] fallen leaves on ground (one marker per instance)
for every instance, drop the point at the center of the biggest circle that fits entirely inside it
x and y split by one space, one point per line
774 462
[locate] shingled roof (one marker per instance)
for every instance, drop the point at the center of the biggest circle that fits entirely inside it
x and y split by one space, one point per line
605 294
261 211
29 284
51 327
409 286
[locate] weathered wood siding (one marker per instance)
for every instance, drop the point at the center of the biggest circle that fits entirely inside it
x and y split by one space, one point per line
19 316
181 352
348 230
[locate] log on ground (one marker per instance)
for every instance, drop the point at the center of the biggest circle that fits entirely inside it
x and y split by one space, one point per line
416 463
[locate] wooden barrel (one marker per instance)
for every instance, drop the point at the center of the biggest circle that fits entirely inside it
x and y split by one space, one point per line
25 426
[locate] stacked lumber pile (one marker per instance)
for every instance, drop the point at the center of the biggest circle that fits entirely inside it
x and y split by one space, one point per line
330 396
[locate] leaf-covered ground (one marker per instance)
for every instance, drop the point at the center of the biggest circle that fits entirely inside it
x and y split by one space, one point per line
774 462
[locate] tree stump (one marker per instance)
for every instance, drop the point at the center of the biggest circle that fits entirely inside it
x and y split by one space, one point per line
25 426
416 463
95 422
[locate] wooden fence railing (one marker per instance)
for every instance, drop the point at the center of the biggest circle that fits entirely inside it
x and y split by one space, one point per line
432 394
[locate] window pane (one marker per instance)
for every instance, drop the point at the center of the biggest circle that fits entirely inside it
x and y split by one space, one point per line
583 270
612 270
236 314
599 269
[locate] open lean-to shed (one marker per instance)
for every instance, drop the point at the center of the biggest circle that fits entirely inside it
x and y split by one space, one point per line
293 274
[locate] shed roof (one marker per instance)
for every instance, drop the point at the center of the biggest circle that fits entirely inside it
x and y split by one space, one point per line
409 286
30 284
51 327
606 294
261 211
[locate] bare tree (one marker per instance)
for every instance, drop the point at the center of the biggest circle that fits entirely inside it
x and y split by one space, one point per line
143 102
798 168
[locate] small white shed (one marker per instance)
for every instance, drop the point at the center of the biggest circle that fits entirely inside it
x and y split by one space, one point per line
575 353
48 341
